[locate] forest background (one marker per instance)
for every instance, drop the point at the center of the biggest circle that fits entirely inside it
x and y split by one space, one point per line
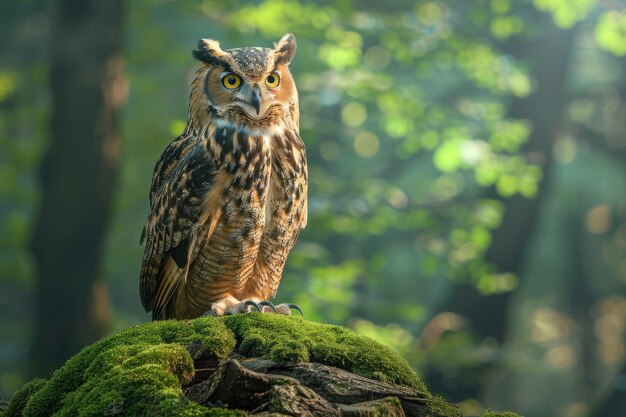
467 197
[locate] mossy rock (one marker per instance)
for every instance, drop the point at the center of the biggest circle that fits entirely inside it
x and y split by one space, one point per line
294 339
142 370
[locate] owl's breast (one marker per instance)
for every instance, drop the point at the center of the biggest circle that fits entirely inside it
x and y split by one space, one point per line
286 206
231 228
253 213
264 172
243 163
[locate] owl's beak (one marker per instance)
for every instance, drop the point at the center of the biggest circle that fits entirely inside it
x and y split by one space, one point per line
255 99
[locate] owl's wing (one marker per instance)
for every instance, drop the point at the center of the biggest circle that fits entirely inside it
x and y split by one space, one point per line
182 177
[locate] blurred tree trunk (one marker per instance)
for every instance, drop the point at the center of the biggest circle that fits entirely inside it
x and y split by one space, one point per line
77 177
614 401
544 107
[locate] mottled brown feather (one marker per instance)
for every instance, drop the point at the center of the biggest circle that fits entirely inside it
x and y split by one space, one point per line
182 178
228 197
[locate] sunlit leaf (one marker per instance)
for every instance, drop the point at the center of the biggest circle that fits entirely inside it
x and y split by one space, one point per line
610 32
566 12
8 84
447 157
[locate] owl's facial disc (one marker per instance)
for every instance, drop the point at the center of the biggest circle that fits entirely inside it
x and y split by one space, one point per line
250 99
245 94
259 94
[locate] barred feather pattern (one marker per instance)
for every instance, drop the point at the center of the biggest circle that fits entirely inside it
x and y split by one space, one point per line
181 178
237 196
228 196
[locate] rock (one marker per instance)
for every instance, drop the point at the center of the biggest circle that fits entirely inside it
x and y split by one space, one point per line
389 406
337 385
249 364
235 386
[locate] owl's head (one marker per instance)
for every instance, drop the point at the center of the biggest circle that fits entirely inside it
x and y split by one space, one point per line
252 83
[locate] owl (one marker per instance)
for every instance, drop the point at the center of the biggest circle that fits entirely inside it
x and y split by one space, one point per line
228 196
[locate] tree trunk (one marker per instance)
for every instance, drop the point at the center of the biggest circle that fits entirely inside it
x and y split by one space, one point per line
613 402
77 177
309 389
544 109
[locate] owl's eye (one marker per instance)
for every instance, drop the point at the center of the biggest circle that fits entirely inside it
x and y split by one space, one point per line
231 81
272 80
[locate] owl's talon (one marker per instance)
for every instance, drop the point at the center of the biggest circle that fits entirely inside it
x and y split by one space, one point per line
236 307
296 307
267 304
250 303
287 307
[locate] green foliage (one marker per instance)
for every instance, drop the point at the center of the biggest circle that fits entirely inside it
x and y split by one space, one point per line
566 12
8 85
489 70
611 32
18 160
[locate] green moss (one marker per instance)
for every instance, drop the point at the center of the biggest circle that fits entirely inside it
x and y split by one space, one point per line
440 407
293 339
21 397
138 371
290 351
389 406
500 414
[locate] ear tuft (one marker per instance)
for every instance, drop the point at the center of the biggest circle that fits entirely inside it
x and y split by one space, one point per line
285 49
208 51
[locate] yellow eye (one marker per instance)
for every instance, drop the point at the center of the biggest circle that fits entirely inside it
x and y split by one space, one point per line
272 80
231 81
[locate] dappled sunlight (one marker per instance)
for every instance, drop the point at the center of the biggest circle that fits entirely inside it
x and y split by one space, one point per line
598 219
548 326
610 328
466 180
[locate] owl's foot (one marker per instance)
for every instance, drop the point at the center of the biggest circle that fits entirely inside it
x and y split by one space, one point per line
230 305
280 308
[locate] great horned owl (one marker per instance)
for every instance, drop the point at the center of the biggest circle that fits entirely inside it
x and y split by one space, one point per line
228 196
